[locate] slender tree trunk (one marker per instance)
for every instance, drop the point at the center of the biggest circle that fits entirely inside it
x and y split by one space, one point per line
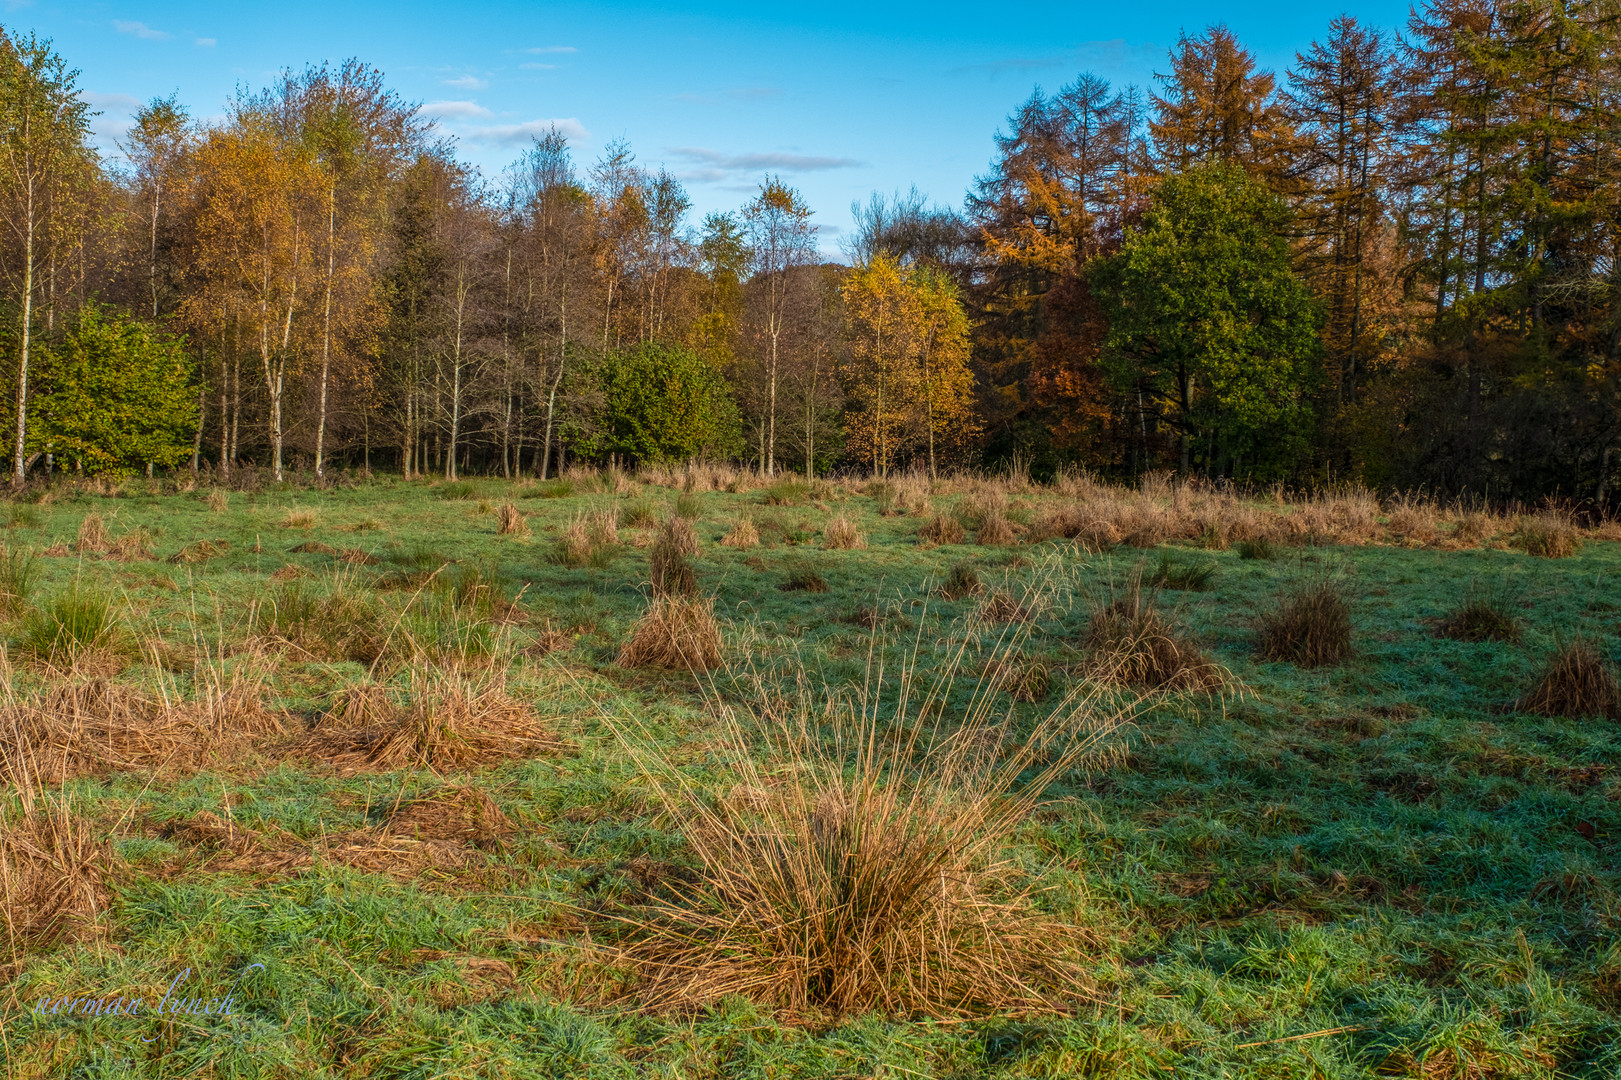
20 464
326 330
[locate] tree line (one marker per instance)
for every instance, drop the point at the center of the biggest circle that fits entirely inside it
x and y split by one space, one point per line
1394 264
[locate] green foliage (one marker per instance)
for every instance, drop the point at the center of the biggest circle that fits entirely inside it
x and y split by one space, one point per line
665 403
1207 317
114 395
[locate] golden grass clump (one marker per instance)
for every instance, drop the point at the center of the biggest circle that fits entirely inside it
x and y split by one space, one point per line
1473 528
841 534
862 870
1414 519
1576 682
53 872
588 540
448 721
675 632
510 521
1134 645
994 530
1549 535
217 501
743 534
941 529
93 538
670 573
1310 628
1002 607
298 517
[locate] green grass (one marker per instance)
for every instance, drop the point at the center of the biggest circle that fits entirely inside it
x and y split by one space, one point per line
1377 849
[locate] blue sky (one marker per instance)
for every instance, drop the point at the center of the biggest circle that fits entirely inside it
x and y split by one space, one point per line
840 99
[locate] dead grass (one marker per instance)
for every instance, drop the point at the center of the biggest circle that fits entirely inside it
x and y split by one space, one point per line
298 517
743 534
1549 535
1310 628
217 501
865 870
841 534
93 538
670 573
962 581
675 632
1002 607
53 873
1133 644
1576 682
941 529
510 521
994 530
447 721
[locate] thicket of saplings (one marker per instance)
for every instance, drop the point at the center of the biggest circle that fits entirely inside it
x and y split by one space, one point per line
835 796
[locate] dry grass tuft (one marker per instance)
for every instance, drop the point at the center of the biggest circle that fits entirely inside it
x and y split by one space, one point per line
510 521
200 551
93 538
217 501
675 632
941 529
864 870
841 534
449 721
1134 645
1550 535
1001 607
962 581
1576 682
298 518
53 873
742 535
670 573
994 530
1485 616
1024 679
465 815
589 540
804 579
1310 628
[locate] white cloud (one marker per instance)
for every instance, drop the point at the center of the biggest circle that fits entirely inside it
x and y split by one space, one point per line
453 110
467 82
140 30
712 166
518 133
207 42
117 113
552 49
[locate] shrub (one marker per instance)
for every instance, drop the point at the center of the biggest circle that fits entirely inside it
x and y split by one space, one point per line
1186 576
1311 628
510 522
941 529
1576 682
1133 644
674 632
671 574
841 533
1549 535
742 535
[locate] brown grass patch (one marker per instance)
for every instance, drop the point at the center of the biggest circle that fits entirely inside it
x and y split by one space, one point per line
941 529
1134 645
1310 628
670 573
1481 618
1001 607
675 632
841 534
53 873
217 501
1575 682
93 538
743 534
510 521
994 530
1549 535
200 551
298 518
449 721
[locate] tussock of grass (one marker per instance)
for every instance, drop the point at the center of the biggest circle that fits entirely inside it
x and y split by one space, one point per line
1310 628
71 625
19 574
688 506
217 501
510 521
994 530
790 492
1133 644
941 529
962 581
1484 616
1002 607
589 540
93 538
671 574
449 721
200 551
298 518
743 534
53 873
1185 576
840 533
1259 547
1550 535
638 514
873 878
674 632
804 579
1025 679
1575 682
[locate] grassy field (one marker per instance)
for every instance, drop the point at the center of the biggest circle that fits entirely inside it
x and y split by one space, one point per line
1375 867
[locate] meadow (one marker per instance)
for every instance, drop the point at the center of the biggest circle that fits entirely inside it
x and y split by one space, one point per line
694 774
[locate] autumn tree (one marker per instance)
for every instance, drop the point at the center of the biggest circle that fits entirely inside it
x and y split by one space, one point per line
157 149
44 158
1217 107
780 238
